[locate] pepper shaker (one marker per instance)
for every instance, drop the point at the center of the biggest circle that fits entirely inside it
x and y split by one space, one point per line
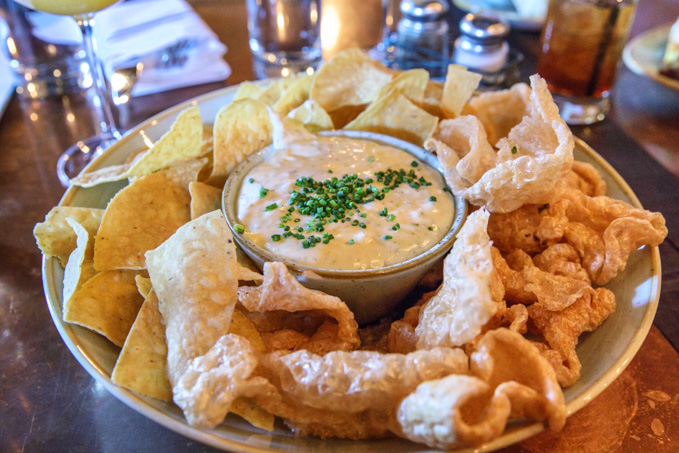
423 33
482 44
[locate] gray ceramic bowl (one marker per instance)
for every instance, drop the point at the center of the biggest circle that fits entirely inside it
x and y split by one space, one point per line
369 293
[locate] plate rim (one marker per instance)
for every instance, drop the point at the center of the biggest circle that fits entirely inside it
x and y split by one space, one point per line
137 403
639 41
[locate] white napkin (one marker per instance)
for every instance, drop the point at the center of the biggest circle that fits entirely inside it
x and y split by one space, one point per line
149 31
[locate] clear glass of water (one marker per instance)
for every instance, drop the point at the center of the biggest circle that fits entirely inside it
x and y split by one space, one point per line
284 35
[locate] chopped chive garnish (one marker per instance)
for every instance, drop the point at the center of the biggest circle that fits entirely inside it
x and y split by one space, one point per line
396 227
391 217
251 180
431 228
414 164
263 192
238 228
514 150
351 242
271 207
329 171
432 198
276 237
387 237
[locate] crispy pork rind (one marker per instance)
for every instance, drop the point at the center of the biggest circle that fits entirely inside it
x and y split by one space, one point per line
607 231
585 178
194 276
531 160
465 137
511 379
525 283
500 111
561 330
355 381
465 303
350 78
281 291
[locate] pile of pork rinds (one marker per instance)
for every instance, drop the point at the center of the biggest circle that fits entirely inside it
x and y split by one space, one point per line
219 337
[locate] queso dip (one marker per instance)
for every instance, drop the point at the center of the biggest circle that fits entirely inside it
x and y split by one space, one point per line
342 203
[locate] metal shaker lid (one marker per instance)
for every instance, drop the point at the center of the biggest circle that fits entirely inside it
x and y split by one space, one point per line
485 29
424 10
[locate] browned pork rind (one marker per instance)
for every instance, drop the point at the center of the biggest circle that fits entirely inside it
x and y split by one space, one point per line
500 111
561 330
511 379
281 291
607 231
465 303
531 160
194 276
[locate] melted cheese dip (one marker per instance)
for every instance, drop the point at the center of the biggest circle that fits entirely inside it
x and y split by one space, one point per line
422 222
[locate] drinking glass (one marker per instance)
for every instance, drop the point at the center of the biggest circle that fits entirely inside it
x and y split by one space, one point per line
74 159
580 46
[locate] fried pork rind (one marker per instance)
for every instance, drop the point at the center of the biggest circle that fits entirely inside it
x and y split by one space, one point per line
465 137
355 381
139 218
393 114
350 78
182 142
55 237
500 111
281 291
465 303
240 129
607 231
459 86
525 283
511 378
561 330
585 178
194 276
531 160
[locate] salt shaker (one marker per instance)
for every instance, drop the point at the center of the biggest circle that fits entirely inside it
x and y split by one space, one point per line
423 26
482 44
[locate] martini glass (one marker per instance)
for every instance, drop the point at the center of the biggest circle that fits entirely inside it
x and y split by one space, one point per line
76 157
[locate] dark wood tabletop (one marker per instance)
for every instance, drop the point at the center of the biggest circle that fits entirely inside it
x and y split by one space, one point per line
48 402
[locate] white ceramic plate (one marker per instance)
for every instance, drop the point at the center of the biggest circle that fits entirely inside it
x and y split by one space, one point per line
644 54
604 353
509 14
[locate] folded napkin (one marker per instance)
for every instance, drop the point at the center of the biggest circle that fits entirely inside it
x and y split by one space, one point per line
174 45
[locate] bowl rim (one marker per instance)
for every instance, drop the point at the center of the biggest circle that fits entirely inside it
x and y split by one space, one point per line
443 246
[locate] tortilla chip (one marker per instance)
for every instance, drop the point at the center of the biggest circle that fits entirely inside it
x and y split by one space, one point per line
412 84
241 325
141 365
107 303
204 198
347 79
395 115
252 413
139 218
312 116
240 129
459 86
143 285
80 266
56 237
248 90
294 95
182 142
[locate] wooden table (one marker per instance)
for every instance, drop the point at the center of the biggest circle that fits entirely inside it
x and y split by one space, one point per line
49 403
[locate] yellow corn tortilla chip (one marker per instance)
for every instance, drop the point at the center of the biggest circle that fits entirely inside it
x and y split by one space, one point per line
141 364
412 84
181 142
241 325
204 198
139 218
347 79
252 413
458 89
55 237
107 303
312 116
294 96
80 266
248 90
143 285
432 98
395 115
240 129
